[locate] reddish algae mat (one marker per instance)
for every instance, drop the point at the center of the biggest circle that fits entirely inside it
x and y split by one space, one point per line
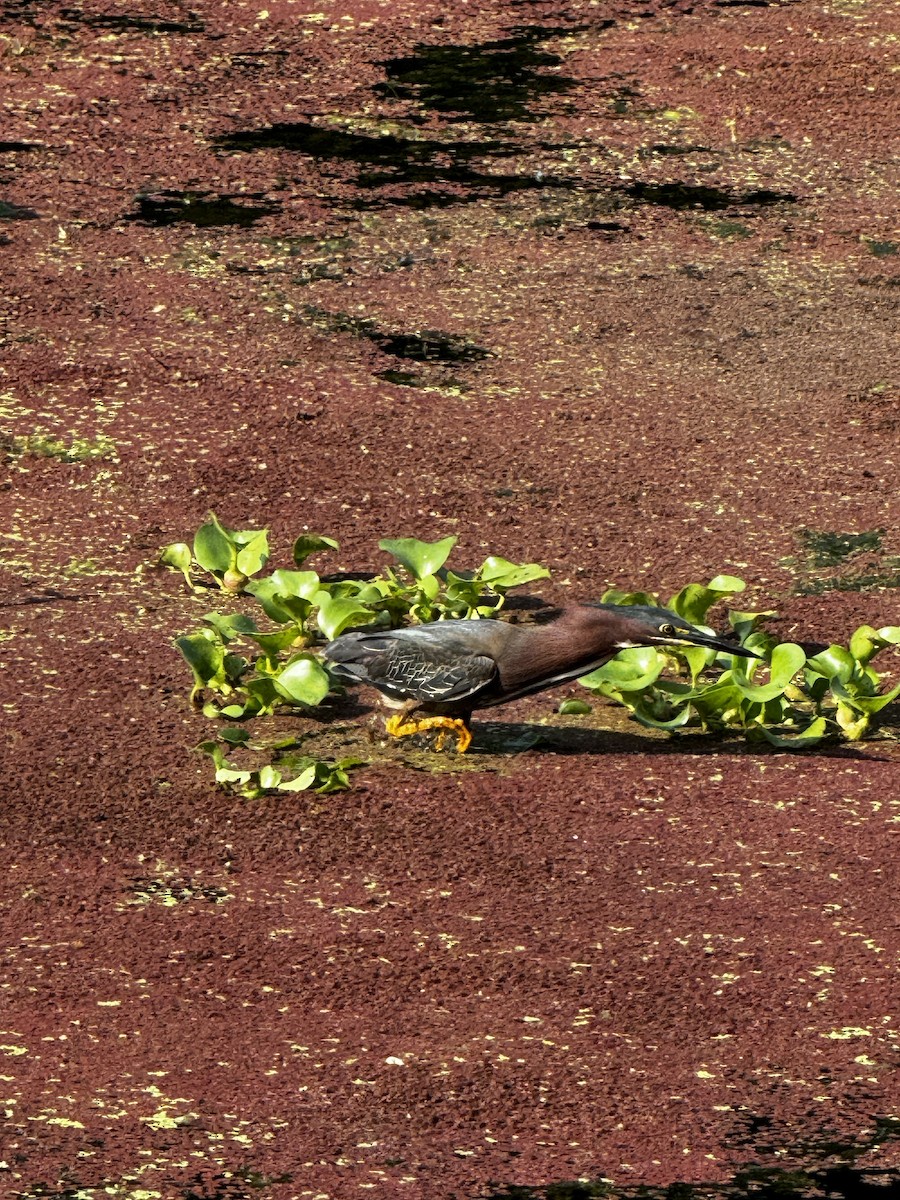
612 287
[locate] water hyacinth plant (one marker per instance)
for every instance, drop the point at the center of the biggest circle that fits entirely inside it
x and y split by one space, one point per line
243 670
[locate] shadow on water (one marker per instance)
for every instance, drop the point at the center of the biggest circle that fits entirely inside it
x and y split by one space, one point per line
123 22
828 1172
203 209
424 345
490 82
387 160
760 1183
710 199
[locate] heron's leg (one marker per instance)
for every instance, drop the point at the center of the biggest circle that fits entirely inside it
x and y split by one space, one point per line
402 725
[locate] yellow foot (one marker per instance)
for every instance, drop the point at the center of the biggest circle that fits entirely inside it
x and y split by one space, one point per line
403 726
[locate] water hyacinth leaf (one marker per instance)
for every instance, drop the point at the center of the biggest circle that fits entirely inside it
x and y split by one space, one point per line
337 615
243 537
214 549
235 666
697 659
311 543
262 693
746 623
231 625
266 593
616 596
269 777
206 658
866 641
302 584
419 558
254 555
215 752
303 782
430 586
694 601
812 735
179 557
577 708
630 671
863 704
787 659
232 711
272 644
644 714
851 722
834 663
304 681
235 735
501 574
286 596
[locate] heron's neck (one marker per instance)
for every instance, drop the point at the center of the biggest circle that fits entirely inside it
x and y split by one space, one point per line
568 647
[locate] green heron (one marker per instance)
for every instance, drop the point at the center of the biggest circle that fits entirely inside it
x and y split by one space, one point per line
450 668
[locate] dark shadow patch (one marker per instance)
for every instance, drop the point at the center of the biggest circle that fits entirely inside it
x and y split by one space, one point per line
826 548
17 212
667 150
883 249
842 562
683 196
425 345
203 209
440 171
19 147
123 22
488 82
758 1182
400 378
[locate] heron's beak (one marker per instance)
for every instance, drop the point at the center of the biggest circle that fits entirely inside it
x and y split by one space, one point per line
696 638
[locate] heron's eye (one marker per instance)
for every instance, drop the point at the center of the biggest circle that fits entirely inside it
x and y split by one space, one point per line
667 630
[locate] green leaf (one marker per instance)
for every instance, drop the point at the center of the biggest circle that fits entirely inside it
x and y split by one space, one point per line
230 626
746 623
286 596
262 694
253 556
233 712
214 549
311 543
301 783
235 735
337 615
833 663
304 681
643 713
864 704
419 558
812 735
787 659
178 556
866 641
574 708
206 658
615 596
269 777
272 644
243 537
694 601
630 671
500 574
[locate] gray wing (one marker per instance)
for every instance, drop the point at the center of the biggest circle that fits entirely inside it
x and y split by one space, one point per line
414 664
